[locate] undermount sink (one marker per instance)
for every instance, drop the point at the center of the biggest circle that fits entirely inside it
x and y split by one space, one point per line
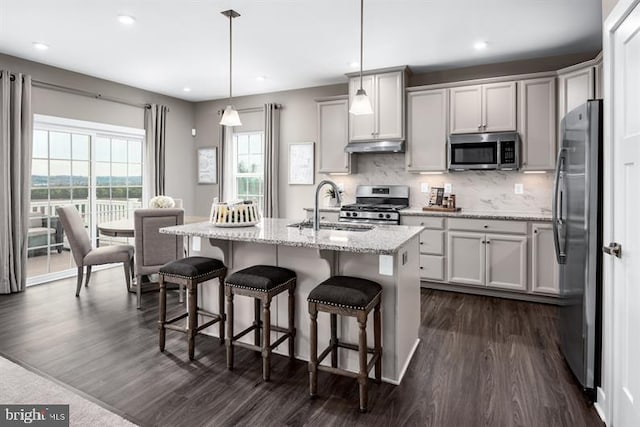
333 226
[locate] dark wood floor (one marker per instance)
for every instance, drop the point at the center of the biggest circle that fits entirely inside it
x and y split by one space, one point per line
482 361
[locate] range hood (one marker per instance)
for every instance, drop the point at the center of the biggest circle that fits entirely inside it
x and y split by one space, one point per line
375 147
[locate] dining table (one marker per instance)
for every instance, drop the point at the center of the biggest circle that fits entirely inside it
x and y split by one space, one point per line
125 228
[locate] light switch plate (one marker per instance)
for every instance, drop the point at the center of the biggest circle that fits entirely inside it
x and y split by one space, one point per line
385 265
448 188
424 187
518 189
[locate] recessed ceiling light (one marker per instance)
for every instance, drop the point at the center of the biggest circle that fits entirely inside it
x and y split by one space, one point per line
260 78
480 45
40 46
126 19
186 89
354 64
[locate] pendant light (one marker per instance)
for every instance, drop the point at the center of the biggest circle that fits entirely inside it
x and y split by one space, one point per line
361 104
230 116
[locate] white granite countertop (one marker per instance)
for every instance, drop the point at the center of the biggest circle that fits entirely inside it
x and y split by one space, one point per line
382 239
499 215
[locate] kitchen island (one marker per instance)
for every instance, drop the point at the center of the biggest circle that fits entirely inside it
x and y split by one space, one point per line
388 255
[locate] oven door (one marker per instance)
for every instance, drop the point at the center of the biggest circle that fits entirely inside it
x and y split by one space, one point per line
473 155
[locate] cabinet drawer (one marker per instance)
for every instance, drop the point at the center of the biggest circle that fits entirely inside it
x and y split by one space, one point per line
492 226
432 267
432 242
423 221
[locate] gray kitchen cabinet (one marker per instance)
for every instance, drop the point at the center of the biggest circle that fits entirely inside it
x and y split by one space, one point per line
506 258
432 246
333 128
489 253
483 108
544 266
427 113
386 93
466 258
537 123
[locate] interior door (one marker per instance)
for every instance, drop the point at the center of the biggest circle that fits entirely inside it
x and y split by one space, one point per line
625 226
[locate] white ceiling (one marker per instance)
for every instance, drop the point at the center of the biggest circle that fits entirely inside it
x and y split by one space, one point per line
292 43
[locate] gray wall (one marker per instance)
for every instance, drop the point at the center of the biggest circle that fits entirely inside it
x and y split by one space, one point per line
180 157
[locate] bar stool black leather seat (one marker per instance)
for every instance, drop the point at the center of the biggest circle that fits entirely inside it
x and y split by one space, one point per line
261 282
354 297
190 272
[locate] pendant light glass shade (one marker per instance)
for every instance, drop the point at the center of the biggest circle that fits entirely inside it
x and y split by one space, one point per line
360 104
230 117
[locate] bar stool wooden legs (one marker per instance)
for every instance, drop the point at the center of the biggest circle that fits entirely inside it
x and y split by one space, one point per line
354 297
190 272
261 282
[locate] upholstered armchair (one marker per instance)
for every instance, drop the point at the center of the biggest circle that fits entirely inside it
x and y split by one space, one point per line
152 249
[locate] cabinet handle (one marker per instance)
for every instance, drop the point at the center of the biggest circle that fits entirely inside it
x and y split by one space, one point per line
485 226
421 268
488 241
483 242
422 243
479 126
535 231
422 223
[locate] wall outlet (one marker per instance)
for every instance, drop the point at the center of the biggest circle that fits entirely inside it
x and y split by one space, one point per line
340 186
518 189
424 187
196 244
448 188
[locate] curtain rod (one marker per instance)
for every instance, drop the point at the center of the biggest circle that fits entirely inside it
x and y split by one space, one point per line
60 88
251 109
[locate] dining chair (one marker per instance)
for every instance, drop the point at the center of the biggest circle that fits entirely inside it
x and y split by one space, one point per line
86 256
153 249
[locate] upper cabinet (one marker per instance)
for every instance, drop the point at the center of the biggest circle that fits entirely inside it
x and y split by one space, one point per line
427 113
483 108
386 93
333 124
537 123
575 88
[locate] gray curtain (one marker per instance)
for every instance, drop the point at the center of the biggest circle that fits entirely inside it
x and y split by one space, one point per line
155 124
271 155
16 140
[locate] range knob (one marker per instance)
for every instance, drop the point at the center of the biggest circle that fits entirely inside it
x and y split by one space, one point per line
354 214
380 215
348 214
387 216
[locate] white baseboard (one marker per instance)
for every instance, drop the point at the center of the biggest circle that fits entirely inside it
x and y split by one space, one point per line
405 367
600 404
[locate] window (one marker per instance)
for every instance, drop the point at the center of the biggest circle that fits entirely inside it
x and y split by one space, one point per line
248 167
97 168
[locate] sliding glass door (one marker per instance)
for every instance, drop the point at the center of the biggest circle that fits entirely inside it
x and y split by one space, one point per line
83 164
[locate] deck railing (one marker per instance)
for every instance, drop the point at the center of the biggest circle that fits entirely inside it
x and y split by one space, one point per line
106 210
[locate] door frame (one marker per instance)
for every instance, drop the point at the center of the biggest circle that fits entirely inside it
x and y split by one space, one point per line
605 393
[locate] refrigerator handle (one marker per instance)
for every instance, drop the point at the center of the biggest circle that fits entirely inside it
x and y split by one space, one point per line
557 219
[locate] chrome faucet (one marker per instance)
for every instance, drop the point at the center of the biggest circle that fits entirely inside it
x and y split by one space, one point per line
316 216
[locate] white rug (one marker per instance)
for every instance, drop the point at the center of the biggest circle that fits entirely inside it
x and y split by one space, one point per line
21 386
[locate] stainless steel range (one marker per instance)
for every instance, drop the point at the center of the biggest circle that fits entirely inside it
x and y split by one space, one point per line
376 204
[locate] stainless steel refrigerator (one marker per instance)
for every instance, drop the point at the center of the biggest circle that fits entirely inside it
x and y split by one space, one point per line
577 227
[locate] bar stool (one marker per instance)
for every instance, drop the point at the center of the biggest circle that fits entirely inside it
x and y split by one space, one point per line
261 282
190 272
354 297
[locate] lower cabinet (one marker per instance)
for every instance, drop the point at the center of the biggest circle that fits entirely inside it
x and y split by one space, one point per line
544 266
495 260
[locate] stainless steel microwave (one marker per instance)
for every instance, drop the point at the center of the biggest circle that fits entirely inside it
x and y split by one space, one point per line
482 151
